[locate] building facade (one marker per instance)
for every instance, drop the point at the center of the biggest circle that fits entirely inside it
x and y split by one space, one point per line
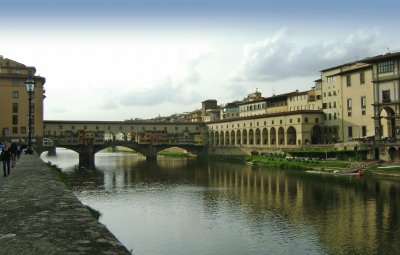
14 104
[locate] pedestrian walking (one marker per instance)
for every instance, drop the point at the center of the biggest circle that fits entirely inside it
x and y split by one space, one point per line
14 149
6 158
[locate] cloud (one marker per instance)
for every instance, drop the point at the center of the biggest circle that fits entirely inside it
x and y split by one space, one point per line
278 57
178 88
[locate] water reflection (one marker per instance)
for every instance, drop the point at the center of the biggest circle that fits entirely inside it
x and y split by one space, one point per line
182 206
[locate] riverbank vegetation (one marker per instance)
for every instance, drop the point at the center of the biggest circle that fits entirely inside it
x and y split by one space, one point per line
284 161
64 178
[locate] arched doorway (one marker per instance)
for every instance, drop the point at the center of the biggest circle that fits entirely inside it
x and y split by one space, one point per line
221 138
291 136
258 136
227 138
273 136
316 134
265 136
251 137
238 137
387 122
393 154
244 135
281 136
216 139
233 137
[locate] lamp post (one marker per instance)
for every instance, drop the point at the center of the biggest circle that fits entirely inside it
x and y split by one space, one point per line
30 85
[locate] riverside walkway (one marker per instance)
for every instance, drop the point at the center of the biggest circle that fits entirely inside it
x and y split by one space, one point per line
39 215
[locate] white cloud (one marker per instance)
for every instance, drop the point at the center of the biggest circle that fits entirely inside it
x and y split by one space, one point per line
278 57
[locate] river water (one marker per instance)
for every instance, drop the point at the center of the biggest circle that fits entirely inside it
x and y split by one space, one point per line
183 206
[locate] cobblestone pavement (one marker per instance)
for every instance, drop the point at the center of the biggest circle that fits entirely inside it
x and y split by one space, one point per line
39 215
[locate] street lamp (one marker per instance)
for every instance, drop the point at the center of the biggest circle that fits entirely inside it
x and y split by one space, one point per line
30 85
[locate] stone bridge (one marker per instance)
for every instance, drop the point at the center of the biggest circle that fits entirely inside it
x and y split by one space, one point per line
87 152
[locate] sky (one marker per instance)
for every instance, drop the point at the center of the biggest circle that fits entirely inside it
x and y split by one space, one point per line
127 59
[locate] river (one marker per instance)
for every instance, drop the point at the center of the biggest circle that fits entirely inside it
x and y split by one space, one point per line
184 206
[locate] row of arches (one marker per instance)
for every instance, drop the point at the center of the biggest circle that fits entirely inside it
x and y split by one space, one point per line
272 136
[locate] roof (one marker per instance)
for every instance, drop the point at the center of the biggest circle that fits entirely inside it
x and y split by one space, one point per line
378 58
266 115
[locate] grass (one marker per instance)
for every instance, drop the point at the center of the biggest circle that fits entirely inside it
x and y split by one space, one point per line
64 178
95 214
283 162
58 172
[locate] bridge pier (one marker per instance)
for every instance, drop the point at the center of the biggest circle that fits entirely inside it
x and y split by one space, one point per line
52 151
86 157
151 153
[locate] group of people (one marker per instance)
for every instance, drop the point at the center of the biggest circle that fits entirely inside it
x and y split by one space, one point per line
9 155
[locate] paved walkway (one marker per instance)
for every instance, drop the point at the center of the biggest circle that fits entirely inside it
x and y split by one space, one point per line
39 215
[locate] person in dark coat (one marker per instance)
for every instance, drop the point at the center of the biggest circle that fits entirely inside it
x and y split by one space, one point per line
6 157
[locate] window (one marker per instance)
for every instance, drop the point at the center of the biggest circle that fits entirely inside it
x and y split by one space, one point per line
15 120
385 96
334 115
324 105
15 130
330 116
15 108
298 120
385 67
362 78
316 120
348 80
364 130
348 114
290 121
280 121
15 94
363 112
350 131
23 130
363 102
334 104
330 105
72 127
330 78
306 120
349 103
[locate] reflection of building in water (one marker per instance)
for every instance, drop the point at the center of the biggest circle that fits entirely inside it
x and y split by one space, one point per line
346 213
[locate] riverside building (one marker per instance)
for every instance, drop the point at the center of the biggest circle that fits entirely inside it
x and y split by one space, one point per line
14 104
356 100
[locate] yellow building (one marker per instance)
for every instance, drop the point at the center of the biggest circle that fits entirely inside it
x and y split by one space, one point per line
386 101
347 98
14 104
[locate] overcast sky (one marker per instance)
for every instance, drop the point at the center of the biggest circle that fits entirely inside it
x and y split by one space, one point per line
122 59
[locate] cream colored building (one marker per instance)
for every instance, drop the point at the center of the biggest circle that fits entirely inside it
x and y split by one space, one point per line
386 94
347 94
14 104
